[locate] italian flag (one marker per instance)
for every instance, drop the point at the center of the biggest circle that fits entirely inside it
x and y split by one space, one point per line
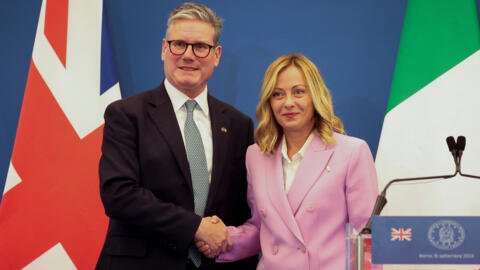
435 93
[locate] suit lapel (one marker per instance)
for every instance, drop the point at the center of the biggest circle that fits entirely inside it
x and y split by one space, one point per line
308 172
220 136
160 109
275 188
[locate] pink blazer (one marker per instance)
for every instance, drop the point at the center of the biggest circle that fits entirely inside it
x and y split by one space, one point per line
306 228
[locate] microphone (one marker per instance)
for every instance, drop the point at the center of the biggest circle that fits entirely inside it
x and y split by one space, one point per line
452 145
456 148
460 146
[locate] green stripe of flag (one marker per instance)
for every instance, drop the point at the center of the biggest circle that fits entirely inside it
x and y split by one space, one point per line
436 35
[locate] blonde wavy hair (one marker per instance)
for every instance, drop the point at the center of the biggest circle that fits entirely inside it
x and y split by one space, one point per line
269 133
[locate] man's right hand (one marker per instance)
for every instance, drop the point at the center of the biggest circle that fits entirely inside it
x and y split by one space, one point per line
213 232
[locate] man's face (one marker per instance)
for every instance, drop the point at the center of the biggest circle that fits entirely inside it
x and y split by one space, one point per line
187 72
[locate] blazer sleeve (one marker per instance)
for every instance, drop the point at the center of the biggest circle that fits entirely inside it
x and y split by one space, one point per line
123 197
361 186
246 237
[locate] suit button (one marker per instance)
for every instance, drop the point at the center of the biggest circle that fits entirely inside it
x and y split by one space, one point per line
302 249
275 250
264 214
310 208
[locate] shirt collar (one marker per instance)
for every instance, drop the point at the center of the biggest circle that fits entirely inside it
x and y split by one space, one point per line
302 150
178 98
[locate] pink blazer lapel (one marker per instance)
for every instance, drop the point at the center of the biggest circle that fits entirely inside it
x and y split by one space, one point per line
311 167
276 192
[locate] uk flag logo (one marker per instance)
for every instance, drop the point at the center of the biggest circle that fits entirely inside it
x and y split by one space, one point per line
401 234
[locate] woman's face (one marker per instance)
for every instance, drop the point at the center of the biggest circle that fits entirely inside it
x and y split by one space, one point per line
291 102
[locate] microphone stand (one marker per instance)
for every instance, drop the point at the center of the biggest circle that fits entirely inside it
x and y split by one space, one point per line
469 175
455 148
382 200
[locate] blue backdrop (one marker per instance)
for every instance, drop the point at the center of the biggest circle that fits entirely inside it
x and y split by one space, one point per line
354 44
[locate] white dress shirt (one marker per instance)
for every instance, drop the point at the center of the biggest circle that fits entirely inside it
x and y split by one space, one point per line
201 117
290 166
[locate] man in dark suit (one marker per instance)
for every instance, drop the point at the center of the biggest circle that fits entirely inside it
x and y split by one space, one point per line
149 178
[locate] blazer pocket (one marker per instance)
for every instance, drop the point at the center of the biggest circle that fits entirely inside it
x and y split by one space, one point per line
126 246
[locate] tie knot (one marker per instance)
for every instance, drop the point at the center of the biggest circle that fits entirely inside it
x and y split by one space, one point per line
190 105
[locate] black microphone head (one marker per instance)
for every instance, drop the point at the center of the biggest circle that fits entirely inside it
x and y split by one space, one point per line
451 143
461 141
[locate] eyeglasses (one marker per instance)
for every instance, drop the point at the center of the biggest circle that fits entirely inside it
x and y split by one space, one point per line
179 47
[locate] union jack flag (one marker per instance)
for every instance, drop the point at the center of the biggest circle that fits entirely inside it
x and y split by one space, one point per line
401 234
51 216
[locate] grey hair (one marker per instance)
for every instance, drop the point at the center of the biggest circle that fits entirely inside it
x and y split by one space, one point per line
194 11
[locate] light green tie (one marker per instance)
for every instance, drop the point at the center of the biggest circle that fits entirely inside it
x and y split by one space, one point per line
198 170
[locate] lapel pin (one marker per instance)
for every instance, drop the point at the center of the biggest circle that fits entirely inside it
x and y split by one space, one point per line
328 169
224 129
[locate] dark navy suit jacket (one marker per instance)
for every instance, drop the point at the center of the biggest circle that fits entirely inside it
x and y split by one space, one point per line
146 187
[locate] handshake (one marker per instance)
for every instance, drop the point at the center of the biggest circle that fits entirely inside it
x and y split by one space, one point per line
212 237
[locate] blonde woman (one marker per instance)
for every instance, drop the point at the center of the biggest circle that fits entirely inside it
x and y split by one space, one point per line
306 178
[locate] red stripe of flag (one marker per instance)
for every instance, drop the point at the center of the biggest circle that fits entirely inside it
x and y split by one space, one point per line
56 25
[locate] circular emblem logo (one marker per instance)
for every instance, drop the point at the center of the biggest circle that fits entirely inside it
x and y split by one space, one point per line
446 234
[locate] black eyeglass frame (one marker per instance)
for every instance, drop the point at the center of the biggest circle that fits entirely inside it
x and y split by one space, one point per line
193 48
